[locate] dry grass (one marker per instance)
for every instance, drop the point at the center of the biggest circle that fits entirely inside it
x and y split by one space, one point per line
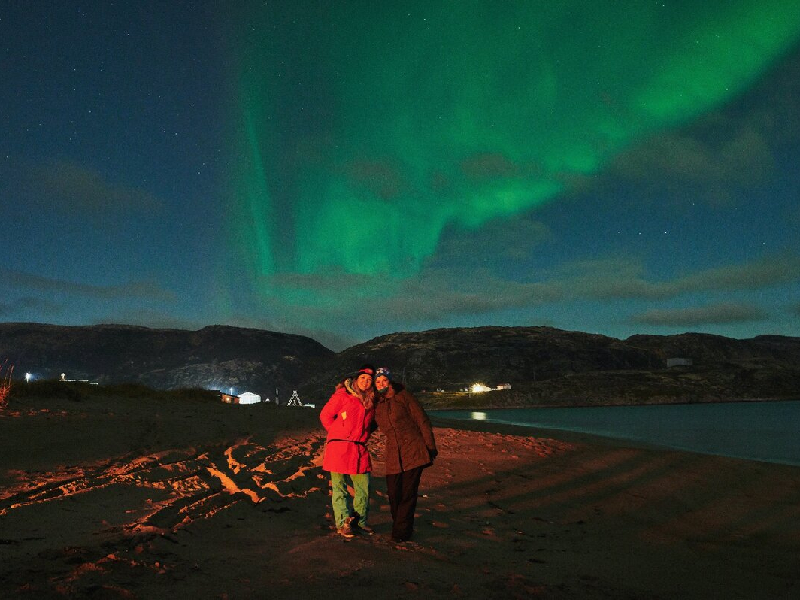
5 382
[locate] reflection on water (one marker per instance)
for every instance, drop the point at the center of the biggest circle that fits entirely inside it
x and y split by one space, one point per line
767 431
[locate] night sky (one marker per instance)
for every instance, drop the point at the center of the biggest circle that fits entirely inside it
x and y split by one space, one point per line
349 169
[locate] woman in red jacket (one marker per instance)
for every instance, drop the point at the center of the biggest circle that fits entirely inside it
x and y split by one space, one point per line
347 417
410 447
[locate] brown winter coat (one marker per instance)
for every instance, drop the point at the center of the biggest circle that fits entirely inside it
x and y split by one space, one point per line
409 437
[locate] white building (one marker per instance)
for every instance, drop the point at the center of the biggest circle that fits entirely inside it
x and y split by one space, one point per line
245 398
479 388
249 398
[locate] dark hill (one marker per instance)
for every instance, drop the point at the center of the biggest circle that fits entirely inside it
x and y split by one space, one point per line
213 357
545 366
551 366
451 358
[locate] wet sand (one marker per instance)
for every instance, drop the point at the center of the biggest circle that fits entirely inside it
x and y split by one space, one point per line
138 499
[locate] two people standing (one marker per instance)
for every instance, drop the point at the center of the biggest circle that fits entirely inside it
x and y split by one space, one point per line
410 447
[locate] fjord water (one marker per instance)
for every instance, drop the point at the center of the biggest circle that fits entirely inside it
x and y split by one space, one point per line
765 431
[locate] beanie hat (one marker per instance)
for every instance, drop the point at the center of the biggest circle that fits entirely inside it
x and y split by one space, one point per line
383 372
366 370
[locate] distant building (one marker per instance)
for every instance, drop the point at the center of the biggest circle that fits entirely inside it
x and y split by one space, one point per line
679 362
244 398
479 388
249 398
503 386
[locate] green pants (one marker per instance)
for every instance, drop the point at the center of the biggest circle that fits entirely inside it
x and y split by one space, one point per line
343 507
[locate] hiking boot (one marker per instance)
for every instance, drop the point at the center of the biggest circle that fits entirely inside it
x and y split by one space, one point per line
365 529
400 544
346 530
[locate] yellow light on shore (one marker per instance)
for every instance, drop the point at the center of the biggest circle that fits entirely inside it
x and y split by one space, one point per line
479 388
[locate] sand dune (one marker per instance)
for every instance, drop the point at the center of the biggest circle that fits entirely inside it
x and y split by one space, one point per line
137 499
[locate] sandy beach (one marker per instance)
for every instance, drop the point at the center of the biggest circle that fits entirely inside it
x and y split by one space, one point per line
120 498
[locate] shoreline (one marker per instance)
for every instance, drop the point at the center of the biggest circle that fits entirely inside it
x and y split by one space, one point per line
431 406
742 444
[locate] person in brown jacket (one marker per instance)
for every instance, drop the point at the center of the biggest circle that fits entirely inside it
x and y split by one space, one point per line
410 447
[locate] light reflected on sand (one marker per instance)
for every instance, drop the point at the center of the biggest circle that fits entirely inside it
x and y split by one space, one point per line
193 485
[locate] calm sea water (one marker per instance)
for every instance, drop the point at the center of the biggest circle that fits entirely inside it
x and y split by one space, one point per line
766 431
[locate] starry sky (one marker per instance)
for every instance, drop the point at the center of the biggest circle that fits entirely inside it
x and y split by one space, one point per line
348 169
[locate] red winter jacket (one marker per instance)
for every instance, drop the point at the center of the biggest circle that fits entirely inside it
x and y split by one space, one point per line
348 425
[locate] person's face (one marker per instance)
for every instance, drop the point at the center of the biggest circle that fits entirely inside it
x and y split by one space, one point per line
382 382
364 381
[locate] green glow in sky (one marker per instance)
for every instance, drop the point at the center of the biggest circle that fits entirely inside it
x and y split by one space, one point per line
368 128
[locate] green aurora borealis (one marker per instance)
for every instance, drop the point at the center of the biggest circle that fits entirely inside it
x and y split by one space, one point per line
366 130
358 118
345 169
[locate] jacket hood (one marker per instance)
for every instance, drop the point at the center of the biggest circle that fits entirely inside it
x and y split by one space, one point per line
366 398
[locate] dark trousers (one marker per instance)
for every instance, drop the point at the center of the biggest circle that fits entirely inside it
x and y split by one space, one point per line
402 491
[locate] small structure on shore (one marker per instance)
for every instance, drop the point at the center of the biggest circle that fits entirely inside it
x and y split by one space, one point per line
243 398
230 398
249 398
479 388
295 401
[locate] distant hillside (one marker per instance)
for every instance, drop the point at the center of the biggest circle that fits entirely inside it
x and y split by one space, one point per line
551 366
218 356
452 358
545 366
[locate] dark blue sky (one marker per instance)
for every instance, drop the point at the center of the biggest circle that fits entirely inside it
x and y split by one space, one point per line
352 169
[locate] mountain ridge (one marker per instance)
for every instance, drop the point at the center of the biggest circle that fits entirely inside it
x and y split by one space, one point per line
543 365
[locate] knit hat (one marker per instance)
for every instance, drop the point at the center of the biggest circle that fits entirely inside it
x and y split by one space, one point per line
366 369
383 372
